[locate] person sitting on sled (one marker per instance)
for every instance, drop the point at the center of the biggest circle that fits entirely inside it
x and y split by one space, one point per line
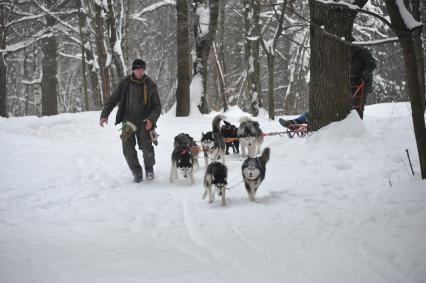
362 67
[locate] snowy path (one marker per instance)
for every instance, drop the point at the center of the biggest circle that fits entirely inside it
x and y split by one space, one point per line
325 213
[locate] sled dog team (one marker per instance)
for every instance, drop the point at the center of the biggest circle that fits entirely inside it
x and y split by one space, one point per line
185 157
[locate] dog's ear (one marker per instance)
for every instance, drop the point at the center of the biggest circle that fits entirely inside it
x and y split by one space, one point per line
202 134
226 123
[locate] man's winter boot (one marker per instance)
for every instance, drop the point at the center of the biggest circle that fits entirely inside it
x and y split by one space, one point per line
285 123
149 170
137 179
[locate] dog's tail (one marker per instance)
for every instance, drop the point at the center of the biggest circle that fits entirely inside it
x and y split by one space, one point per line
244 119
265 155
216 122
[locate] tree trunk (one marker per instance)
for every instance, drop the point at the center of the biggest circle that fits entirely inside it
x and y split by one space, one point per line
329 87
418 48
417 98
3 73
271 99
100 50
49 82
252 12
183 60
94 80
203 42
3 65
221 79
81 21
220 40
117 53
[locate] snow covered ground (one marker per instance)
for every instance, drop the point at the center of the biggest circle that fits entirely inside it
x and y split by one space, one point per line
339 206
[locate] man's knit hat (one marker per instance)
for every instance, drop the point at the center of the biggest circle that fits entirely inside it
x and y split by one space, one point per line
138 63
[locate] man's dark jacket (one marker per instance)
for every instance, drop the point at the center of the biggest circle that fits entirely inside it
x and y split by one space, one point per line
363 65
151 110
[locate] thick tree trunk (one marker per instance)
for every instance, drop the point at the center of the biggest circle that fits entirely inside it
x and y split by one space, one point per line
271 99
329 87
3 65
252 12
94 80
417 97
3 73
81 21
183 60
221 37
220 79
101 52
418 45
203 44
49 82
116 50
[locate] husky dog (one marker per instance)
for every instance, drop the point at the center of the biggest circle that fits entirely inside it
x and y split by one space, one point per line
213 144
185 139
216 175
251 137
229 131
253 170
183 158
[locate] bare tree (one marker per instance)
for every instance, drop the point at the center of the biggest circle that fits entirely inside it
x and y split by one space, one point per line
115 24
101 52
269 48
406 29
251 43
49 82
204 35
329 87
183 59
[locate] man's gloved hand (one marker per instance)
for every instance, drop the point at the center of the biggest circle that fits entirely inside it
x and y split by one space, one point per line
148 125
103 121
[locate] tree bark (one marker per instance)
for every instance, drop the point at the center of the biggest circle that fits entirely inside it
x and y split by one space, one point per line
221 79
49 82
203 44
329 87
183 60
3 65
81 21
271 99
3 73
101 52
418 45
117 53
252 12
417 98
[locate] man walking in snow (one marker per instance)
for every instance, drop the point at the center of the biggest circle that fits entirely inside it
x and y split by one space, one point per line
139 108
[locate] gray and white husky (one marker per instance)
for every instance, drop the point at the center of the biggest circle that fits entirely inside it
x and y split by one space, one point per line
215 180
213 144
254 170
251 137
183 159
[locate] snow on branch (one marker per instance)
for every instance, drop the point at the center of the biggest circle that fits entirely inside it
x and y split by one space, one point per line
45 33
139 15
340 2
376 42
406 16
47 11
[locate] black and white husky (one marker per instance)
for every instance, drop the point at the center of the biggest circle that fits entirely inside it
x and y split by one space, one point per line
216 175
183 159
253 170
213 144
251 137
